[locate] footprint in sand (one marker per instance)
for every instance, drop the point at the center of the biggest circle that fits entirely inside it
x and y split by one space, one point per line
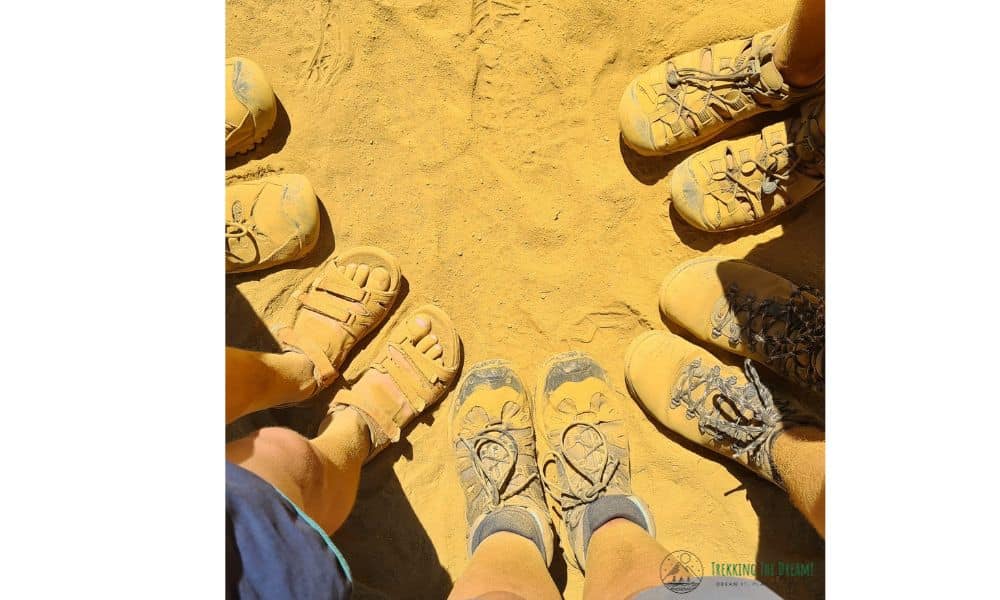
490 16
490 20
332 54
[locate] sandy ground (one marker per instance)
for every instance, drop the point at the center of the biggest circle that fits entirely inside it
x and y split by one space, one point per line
478 142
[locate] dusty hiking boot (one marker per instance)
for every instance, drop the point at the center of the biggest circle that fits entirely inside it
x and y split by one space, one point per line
250 105
741 308
736 183
692 98
411 372
269 222
494 441
723 408
583 451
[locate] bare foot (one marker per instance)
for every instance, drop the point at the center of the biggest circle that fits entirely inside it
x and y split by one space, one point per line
413 371
349 297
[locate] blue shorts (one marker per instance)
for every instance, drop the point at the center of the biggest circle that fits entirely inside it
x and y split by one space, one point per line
273 549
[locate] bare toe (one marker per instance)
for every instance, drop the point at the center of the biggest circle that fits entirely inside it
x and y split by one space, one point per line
379 279
426 342
418 327
435 352
350 270
361 275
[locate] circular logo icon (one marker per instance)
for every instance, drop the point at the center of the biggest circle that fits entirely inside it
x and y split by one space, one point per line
681 571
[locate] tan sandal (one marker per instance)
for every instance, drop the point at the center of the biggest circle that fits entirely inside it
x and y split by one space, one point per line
417 380
335 313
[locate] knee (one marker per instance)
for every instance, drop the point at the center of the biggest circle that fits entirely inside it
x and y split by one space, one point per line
292 451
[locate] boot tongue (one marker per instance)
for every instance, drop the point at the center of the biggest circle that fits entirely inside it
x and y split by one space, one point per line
770 76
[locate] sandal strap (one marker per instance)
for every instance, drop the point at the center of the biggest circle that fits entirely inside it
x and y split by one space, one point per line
417 377
323 370
414 388
336 283
383 420
336 297
401 355
326 305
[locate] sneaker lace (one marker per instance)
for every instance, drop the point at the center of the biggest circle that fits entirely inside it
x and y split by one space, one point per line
595 481
746 80
752 421
805 153
496 435
801 321
238 227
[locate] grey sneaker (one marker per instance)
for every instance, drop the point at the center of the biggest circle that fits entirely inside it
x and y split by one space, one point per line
494 443
583 451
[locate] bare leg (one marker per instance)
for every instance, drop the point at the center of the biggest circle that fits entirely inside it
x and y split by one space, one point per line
321 475
800 456
505 566
259 380
622 560
800 54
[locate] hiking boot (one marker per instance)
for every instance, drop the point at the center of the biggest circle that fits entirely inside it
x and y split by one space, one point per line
269 221
250 105
694 97
736 183
723 408
494 443
741 308
583 451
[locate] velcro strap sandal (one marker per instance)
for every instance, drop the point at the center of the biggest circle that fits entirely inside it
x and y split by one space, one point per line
416 366
335 312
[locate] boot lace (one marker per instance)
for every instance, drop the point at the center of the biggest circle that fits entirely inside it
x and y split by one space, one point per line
782 332
238 227
746 420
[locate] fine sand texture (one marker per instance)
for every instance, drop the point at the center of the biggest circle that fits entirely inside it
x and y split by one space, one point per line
477 141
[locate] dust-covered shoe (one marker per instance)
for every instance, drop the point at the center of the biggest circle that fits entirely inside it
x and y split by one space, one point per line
583 451
747 310
269 221
723 408
692 98
346 299
740 182
494 441
250 105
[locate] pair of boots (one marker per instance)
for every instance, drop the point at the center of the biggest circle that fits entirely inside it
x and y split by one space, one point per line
737 307
695 97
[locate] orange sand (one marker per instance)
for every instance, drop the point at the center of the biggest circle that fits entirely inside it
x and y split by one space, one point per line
487 159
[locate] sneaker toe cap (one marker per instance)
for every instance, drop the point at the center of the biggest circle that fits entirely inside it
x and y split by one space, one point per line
300 205
251 95
688 196
634 122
